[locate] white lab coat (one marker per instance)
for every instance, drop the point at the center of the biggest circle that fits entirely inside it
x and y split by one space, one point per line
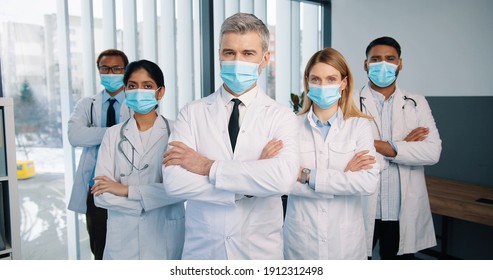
83 133
416 224
328 222
218 226
147 224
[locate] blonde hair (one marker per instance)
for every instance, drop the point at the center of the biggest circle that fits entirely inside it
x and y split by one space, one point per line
335 59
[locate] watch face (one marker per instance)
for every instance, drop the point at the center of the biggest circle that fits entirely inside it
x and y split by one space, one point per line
306 170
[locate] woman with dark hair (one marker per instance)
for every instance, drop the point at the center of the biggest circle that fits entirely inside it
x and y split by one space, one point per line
324 218
143 223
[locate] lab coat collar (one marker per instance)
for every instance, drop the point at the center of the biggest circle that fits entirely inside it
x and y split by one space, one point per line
315 122
217 110
131 131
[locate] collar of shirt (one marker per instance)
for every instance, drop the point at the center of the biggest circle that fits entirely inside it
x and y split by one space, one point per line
119 97
246 98
315 122
380 98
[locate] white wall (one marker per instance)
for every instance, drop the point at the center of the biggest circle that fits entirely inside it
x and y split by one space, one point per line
447 45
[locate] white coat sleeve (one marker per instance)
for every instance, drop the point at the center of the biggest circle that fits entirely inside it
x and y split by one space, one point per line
182 184
80 131
363 182
268 177
304 190
105 166
426 152
151 196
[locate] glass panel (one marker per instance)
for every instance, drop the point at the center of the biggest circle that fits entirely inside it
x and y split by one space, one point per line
30 76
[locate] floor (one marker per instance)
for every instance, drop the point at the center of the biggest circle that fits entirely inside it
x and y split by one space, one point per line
43 219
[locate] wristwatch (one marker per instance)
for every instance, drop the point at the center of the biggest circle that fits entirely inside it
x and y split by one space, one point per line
304 175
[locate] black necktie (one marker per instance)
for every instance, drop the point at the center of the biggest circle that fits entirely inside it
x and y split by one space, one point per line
234 124
110 114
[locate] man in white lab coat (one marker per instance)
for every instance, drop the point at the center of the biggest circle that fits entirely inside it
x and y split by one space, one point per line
86 128
218 161
407 139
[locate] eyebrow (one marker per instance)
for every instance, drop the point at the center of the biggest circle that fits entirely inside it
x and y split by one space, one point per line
332 76
104 65
144 82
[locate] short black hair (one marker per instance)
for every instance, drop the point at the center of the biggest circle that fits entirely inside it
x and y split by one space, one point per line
151 68
113 52
388 41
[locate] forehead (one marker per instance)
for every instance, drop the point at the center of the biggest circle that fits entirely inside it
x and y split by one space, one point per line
140 76
321 69
111 60
239 42
382 50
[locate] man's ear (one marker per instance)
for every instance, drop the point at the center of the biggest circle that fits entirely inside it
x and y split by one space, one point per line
265 60
365 66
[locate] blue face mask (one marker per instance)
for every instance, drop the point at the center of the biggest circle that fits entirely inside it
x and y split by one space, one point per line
239 75
141 101
382 73
324 96
112 82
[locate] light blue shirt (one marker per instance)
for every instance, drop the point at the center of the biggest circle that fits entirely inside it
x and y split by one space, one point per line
323 128
120 97
389 197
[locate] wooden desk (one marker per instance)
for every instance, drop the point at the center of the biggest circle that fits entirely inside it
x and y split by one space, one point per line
455 199
459 200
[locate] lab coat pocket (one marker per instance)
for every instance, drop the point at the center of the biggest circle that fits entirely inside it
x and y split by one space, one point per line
115 239
353 241
340 153
175 237
307 153
199 238
296 243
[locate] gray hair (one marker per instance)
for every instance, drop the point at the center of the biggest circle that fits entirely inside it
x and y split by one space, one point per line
242 23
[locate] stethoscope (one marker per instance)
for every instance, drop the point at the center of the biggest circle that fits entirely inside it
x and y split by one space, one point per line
362 99
124 138
91 118
362 105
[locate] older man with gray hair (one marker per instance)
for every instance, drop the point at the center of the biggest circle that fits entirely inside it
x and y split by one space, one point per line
233 155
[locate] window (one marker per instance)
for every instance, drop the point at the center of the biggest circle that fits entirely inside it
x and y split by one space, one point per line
48 64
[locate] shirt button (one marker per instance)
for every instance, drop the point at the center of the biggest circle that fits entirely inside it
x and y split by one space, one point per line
228 237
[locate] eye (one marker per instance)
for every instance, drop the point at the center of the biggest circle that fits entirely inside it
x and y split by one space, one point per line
249 53
131 86
314 80
148 87
390 59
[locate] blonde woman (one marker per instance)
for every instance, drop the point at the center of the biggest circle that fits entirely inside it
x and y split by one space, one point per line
325 218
